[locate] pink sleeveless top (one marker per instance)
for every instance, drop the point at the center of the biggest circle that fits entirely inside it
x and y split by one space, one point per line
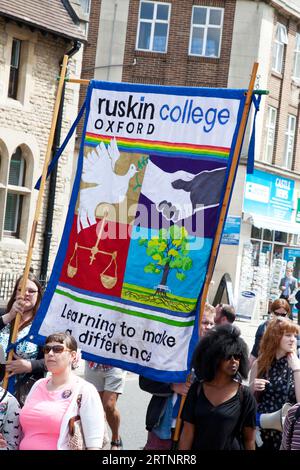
41 417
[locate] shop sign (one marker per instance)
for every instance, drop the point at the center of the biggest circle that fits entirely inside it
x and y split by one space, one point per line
291 254
231 232
246 305
269 195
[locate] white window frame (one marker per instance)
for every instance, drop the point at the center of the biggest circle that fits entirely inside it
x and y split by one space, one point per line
22 189
297 58
289 142
153 22
281 39
17 190
205 27
270 134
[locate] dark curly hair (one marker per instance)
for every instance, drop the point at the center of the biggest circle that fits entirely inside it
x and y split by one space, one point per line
215 346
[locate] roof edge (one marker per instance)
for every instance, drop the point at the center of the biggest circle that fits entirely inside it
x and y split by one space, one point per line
38 27
71 11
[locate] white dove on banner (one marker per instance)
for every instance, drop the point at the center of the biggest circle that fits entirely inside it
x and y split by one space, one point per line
180 194
98 168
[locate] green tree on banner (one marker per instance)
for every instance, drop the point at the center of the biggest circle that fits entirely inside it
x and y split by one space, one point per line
169 250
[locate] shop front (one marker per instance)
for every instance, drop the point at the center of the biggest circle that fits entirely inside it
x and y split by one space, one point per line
274 242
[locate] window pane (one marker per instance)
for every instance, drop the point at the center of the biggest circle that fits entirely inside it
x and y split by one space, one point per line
16 169
11 212
280 237
283 37
272 116
297 65
199 15
267 235
144 37
292 123
14 69
256 232
15 53
160 37
85 5
147 11
213 41
215 17
255 252
277 252
197 41
162 12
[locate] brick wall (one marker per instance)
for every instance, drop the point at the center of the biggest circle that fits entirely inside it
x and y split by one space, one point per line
176 67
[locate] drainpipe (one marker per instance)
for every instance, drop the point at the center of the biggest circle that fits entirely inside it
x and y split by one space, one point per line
52 180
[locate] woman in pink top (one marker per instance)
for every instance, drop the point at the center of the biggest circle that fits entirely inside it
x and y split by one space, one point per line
52 402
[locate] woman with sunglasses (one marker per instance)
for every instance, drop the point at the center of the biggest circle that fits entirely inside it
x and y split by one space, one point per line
55 400
219 412
27 365
275 375
279 308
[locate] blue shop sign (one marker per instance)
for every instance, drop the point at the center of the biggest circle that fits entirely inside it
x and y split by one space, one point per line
290 254
269 195
231 232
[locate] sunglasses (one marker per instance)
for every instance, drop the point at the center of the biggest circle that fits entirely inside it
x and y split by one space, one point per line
280 314
57 348
236 357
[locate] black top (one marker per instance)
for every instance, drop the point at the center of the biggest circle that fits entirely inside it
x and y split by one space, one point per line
216 428
279 391
160 393
258 336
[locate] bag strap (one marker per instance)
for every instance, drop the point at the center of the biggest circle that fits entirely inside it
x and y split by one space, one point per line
77 417
3 396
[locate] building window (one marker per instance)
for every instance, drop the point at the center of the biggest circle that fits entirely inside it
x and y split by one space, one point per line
206 31
153 27
281 39
85 6
289 142
14 69
14 196
296 70
270 134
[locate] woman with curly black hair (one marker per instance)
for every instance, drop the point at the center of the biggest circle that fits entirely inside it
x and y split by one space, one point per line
219 412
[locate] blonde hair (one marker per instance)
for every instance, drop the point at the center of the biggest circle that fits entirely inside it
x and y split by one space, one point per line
270 342
209 309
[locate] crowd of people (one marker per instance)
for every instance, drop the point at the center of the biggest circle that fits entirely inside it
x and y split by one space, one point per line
226 406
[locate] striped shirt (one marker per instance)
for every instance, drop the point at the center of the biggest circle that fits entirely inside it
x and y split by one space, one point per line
291 440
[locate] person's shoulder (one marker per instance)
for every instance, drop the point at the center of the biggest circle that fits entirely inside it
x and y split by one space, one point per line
261 327
247 394
293 409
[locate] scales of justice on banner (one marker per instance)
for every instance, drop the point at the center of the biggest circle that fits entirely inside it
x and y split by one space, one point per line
107 280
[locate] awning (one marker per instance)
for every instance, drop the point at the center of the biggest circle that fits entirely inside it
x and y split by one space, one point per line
262 221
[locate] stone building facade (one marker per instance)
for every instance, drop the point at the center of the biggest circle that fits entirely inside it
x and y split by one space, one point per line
32 45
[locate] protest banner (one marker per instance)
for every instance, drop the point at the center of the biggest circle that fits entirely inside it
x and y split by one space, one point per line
145 208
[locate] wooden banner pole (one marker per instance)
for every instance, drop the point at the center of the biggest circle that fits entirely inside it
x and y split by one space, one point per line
213 256
38 203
